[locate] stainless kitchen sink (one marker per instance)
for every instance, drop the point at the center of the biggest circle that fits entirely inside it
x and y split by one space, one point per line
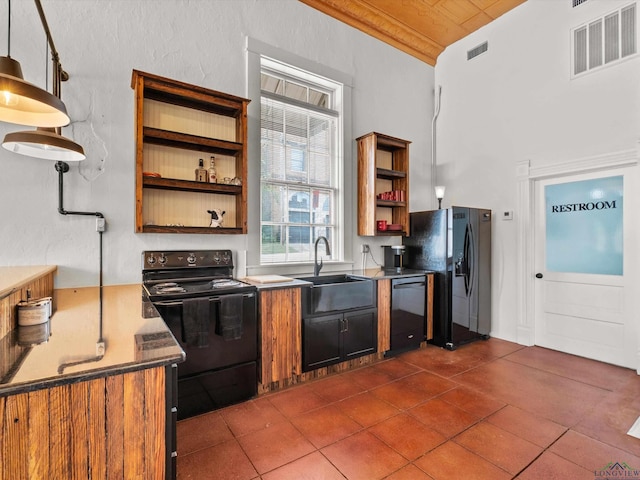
333 293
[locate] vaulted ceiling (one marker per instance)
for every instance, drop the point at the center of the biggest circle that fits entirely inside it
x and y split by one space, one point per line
421 28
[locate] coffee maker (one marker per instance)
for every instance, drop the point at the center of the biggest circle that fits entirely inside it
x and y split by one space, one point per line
393 256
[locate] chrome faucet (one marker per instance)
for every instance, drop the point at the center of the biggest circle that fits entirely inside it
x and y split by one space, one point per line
317 266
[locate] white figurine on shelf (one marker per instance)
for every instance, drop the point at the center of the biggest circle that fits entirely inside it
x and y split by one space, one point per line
216 217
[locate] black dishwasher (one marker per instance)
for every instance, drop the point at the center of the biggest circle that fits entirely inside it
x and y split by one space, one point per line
408 319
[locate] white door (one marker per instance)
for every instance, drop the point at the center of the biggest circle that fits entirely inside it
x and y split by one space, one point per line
585 260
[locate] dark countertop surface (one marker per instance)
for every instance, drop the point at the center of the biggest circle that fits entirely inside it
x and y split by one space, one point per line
372 273
134 341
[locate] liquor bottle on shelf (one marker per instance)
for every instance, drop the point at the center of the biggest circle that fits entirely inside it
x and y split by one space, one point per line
201 172
213 178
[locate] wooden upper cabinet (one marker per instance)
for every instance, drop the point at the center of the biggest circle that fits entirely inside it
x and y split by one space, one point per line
383 184
176 125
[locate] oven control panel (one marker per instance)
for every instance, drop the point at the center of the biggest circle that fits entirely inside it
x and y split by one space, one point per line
166 259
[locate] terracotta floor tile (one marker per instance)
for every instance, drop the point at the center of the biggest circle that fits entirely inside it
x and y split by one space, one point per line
581 369
363 457
336 388
369 377
494 348
251 416
525 425
610 422
472 401
410 472
631 389
444 362
382 372
559 399
312 467
409 438
225 461
482 411
296 400
443 417
396 368
591 454
451 461
500 447
413 389
367 409
275 446
201 432
550 466
325 425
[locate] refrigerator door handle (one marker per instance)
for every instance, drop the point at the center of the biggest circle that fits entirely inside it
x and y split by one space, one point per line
466 259
471 261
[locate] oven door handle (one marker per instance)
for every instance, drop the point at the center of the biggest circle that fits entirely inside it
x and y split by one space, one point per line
216 299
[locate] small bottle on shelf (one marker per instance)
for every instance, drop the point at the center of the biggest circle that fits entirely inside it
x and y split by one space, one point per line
213 178
201 172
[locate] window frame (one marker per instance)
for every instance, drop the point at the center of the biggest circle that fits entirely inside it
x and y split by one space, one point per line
598 25
249 260
335 189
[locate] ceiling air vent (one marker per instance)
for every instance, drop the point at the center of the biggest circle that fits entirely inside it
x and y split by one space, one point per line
474 52
575 3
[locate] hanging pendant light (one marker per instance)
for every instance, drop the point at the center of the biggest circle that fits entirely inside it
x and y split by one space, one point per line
46 142
22 102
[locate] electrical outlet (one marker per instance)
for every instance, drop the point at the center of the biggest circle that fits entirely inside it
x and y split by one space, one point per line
100 348
364 248
101 224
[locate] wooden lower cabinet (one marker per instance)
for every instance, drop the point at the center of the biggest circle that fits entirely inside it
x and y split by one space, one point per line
280 333
281 336
107 428
384 314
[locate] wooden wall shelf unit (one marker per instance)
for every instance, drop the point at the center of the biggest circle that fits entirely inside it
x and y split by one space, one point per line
383 166
176 125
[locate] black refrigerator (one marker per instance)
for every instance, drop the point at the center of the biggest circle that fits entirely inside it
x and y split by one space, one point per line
455 243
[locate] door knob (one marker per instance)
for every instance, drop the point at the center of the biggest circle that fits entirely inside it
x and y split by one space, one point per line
538 275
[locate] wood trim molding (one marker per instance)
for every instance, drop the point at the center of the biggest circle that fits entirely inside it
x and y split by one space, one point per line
527 175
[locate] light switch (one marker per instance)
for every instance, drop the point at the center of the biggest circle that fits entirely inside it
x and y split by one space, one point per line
508 215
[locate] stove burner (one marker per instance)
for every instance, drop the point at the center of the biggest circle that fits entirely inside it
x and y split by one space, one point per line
168 288
224 282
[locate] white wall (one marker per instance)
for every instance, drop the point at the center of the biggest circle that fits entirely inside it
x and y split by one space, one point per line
518 102
199 42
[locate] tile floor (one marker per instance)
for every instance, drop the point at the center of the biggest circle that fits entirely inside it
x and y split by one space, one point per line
489 410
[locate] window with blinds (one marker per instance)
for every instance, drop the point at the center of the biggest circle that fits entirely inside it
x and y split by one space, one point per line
299 165
605 40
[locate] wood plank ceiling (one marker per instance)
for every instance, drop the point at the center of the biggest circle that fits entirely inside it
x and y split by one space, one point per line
421 28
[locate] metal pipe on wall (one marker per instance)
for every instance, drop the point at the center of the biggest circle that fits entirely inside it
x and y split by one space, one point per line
436 112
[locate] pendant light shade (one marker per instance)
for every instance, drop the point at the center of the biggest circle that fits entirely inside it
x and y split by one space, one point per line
25 104
44 143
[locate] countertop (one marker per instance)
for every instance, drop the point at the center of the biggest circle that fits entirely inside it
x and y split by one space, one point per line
372 273
133 342
13 278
